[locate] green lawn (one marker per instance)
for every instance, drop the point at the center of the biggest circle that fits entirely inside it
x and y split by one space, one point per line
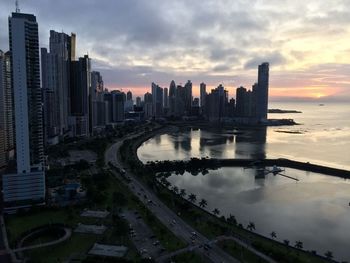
17 224
76 247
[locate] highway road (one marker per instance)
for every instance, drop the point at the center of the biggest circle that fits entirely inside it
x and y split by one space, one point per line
173 222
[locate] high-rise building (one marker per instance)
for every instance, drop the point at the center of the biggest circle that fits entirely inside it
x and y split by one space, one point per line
56 84
216 102
118 106
79 96
188 98
27 185
129 95
49 74
148 105
180 101
129 103
138 102
172 98
3 161
97 103
203 94
262 92
241 101
6 109
157 100
166 98
61 48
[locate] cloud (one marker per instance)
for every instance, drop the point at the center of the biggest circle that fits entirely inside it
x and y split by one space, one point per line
275 59
135 42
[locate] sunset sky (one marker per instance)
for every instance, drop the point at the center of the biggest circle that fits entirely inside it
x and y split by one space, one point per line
135 42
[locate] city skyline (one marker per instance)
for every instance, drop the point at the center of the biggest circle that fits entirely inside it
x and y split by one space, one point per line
156 46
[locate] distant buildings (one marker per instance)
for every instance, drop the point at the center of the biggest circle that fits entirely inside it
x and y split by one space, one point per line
249 107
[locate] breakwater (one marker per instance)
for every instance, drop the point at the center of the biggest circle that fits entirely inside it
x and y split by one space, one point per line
196 163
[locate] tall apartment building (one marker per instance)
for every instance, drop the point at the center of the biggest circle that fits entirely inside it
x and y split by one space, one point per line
27 185
7 133
262 93
56 84
80 85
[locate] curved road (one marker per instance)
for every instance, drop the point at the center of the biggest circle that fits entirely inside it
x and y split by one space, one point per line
173 222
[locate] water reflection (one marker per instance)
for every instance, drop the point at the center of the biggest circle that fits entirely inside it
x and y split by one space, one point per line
314 210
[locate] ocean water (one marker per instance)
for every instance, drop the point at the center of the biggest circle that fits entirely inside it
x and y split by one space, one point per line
323 137
314 210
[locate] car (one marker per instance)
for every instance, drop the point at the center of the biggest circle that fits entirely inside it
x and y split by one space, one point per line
153 236
156 243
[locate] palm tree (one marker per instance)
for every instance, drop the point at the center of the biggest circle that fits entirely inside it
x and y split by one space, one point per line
232 220
251 226
182 193
329 255
216 212
298 244
286 242
273 234
192 198
175 189
167 184
203 203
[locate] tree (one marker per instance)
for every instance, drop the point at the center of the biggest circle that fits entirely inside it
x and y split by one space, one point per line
251 226
286 242
182 193
298 244
273 234
192 198
216 212
329 255
175 189
232 220
203 203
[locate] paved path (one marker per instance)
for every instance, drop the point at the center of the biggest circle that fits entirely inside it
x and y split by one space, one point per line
247 246
173 222
67 235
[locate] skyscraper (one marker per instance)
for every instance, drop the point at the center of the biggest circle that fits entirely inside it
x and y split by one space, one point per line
166 98
241 101
27 185
262 92
97 103
56 84
148 105
203 94
157 100
172 98
188 97
6 108
61 48
79 96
